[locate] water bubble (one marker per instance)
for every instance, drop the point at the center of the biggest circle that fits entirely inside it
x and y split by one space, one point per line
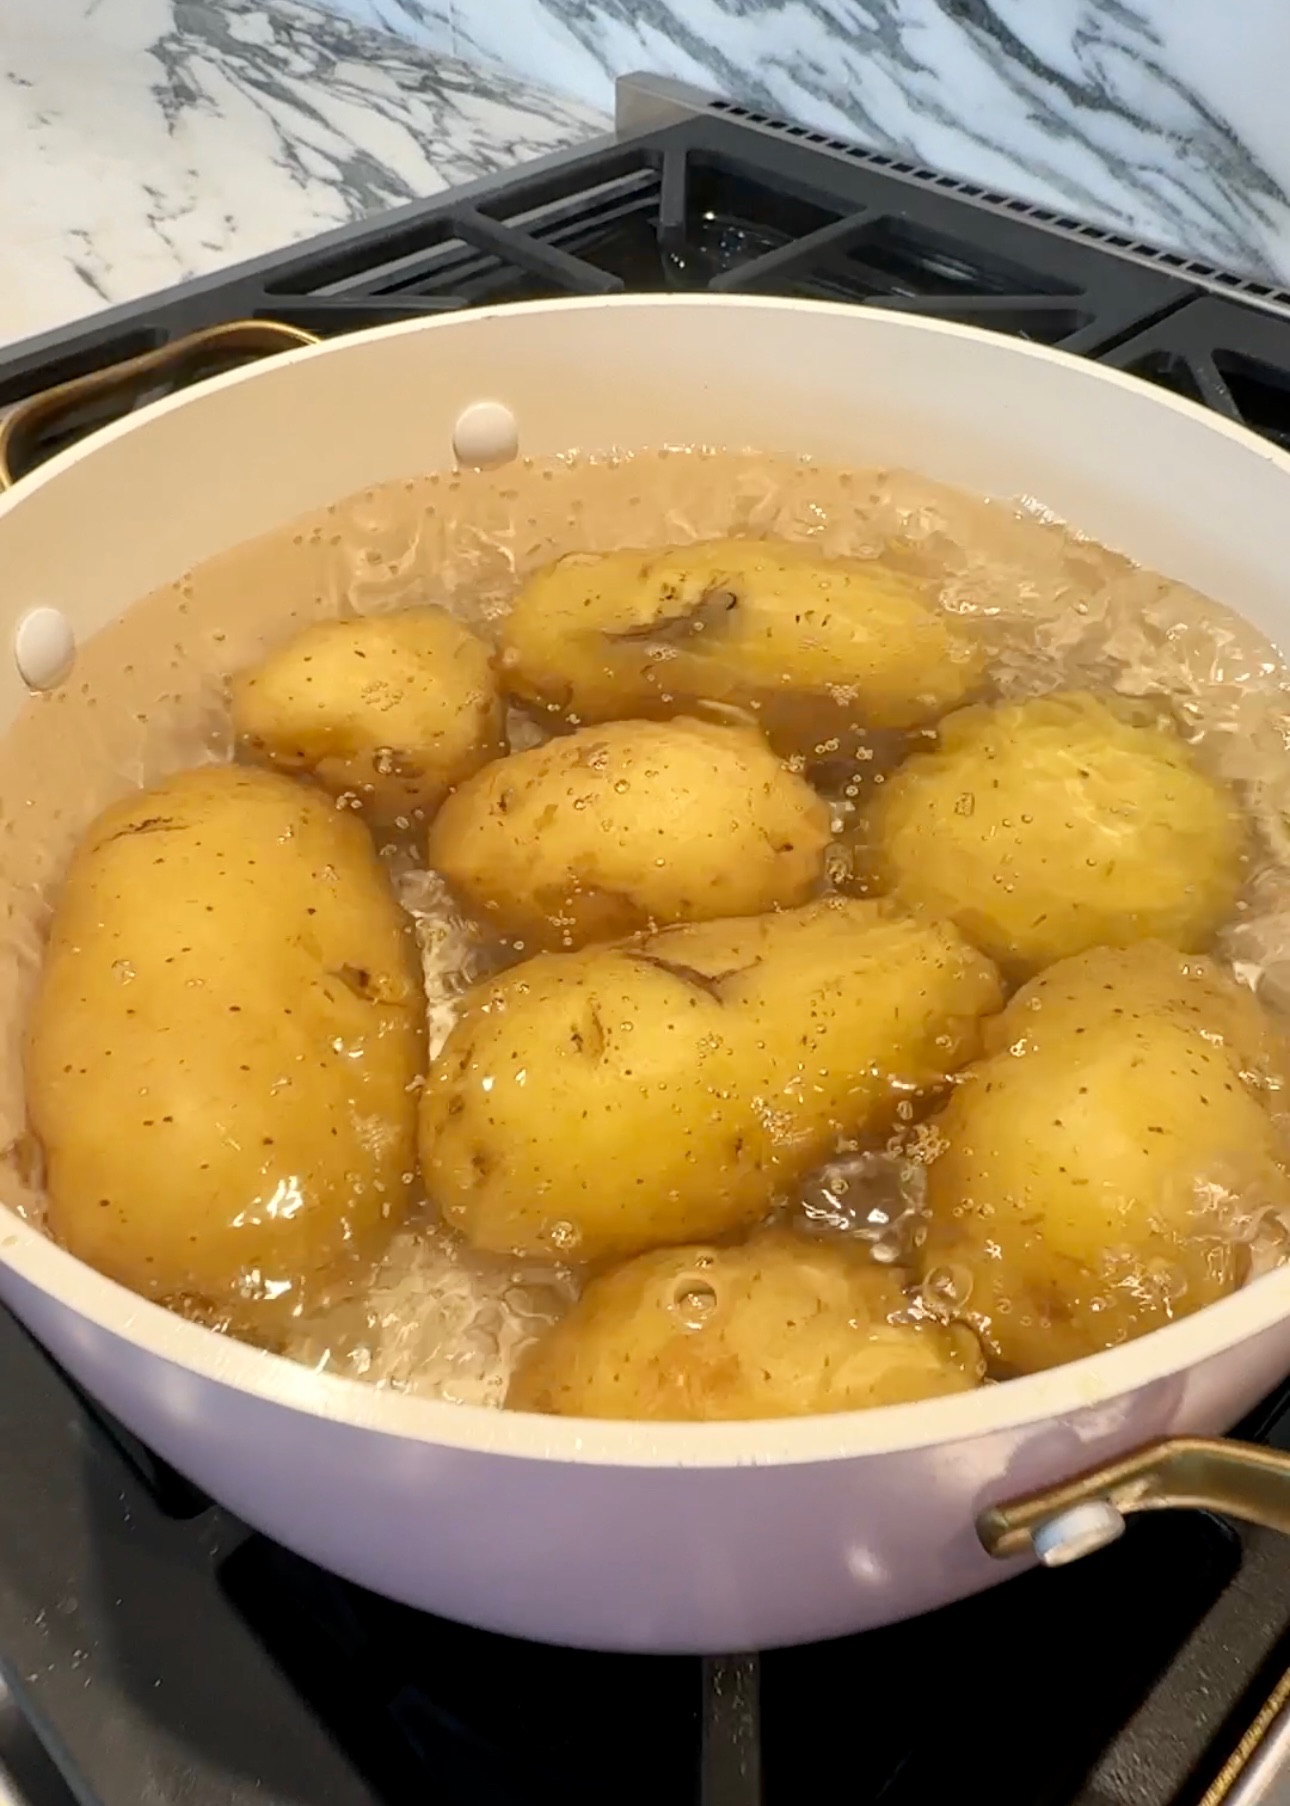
693 1301
874 1197
947 1288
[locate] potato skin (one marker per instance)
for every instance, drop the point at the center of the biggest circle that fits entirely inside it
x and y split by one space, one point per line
630 826
1150 977
393 709
781 1326
1049 826
1097 1167
817 648
223 1055
597 1103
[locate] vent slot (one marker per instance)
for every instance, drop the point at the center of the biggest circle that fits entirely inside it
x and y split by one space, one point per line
1196 270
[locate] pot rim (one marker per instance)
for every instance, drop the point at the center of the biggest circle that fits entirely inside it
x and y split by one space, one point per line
1079 1386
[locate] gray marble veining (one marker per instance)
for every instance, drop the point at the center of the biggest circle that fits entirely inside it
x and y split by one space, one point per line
1160 117
144 141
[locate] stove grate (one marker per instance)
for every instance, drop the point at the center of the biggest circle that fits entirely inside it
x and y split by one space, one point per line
704 204
1232 358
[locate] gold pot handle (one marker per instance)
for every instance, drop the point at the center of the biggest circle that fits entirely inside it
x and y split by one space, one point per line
196 355
1064 1522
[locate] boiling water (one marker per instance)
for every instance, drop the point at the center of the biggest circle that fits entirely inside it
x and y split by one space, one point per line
148 697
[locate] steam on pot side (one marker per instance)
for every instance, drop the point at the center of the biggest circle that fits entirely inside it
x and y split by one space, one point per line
559 942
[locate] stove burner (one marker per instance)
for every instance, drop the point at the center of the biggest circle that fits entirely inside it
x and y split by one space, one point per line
152 1650
676 222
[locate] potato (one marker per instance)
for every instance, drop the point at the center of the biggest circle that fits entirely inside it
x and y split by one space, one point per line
597 1103
1049 826
393 709
634 825
223 1056
817 647
1098 1169
1153 978
779 1327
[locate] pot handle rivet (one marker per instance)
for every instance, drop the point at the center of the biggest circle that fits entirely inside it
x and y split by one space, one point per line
1075 1533
44 648
486 435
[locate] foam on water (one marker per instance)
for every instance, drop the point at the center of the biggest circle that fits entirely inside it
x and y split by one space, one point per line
148 697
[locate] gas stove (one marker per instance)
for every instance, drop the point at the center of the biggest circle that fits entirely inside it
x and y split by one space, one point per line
154 1652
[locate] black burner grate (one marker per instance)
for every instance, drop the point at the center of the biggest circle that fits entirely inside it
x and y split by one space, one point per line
1232 357
705 204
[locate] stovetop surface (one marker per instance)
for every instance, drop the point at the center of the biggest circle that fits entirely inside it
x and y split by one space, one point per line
155 1653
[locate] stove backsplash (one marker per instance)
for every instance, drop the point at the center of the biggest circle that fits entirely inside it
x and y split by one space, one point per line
1159 117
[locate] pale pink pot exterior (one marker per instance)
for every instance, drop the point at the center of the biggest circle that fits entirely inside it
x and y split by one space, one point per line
664 1537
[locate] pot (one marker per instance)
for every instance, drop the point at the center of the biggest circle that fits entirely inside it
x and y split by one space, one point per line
657 1536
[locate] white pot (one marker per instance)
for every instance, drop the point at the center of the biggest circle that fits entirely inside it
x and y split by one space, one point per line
658 1537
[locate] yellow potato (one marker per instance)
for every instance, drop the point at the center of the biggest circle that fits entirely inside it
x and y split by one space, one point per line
780 1327
222 1059
1049 826
1155 978
1097 1170
818 648
629 826
596 1103
393 709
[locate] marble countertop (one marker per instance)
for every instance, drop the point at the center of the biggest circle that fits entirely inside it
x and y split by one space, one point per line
145 141
1162 119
